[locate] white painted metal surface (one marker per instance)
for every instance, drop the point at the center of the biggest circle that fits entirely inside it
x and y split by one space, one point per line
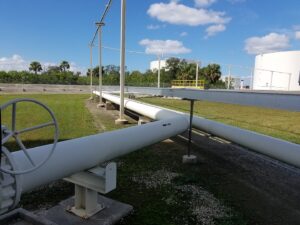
158 73
102 179
100 60
15 134
276 148
87 186
122 57
197 73
277 71
154 65
84 153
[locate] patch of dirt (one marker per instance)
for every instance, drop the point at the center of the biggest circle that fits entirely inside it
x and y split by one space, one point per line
104 119
92 107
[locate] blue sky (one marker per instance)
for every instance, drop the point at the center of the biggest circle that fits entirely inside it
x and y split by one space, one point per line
223 31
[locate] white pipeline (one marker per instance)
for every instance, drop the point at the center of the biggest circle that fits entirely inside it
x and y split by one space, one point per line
276 148
83 153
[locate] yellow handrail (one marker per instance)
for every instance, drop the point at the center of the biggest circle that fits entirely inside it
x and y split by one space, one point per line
188 84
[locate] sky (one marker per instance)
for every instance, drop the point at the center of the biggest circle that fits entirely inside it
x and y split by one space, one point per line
228 32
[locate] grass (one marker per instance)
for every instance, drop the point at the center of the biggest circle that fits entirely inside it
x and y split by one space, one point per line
73 118
164 203
104 120
277 123
153 181
74 121
161 204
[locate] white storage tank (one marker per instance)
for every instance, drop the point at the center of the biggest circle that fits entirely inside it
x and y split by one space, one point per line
277 71
154 65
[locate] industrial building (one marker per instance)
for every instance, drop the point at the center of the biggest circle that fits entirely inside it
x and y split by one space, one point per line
279 71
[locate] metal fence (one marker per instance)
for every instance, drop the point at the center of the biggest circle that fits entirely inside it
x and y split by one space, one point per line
188 84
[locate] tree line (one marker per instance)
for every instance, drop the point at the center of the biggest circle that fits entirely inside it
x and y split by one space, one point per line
176 69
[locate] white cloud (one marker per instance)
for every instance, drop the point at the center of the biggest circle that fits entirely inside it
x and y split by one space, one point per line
183 34
155 27
214 29
297 35
75 68
164 47
15 62
204 3
18 63
270 43
179 14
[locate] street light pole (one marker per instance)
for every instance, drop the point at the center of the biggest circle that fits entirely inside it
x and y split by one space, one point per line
100 62
122 119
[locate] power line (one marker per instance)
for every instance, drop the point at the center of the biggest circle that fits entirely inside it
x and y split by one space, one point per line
172 56
129 51
118 50
102 20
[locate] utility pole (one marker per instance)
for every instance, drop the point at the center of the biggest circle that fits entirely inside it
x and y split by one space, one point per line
229 77
197 73
252 79
122 119
159 68
91 70
100 25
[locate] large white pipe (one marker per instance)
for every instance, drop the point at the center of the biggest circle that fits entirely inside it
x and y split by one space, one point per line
276 148
83 153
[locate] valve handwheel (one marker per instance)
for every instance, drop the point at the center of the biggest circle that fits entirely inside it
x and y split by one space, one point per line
15 134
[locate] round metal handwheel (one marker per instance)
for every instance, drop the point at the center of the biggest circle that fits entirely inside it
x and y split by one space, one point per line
14 133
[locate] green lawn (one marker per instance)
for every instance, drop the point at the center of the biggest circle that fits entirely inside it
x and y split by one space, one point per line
73 118
277 123
174 189
165 200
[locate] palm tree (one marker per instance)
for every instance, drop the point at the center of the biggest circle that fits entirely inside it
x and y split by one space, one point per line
187 71
35 66
212 73
173 66
64 65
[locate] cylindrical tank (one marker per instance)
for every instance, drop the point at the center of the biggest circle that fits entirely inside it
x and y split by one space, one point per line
277 71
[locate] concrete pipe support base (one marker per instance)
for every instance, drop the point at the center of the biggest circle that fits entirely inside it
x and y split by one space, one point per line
189 159
121 121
